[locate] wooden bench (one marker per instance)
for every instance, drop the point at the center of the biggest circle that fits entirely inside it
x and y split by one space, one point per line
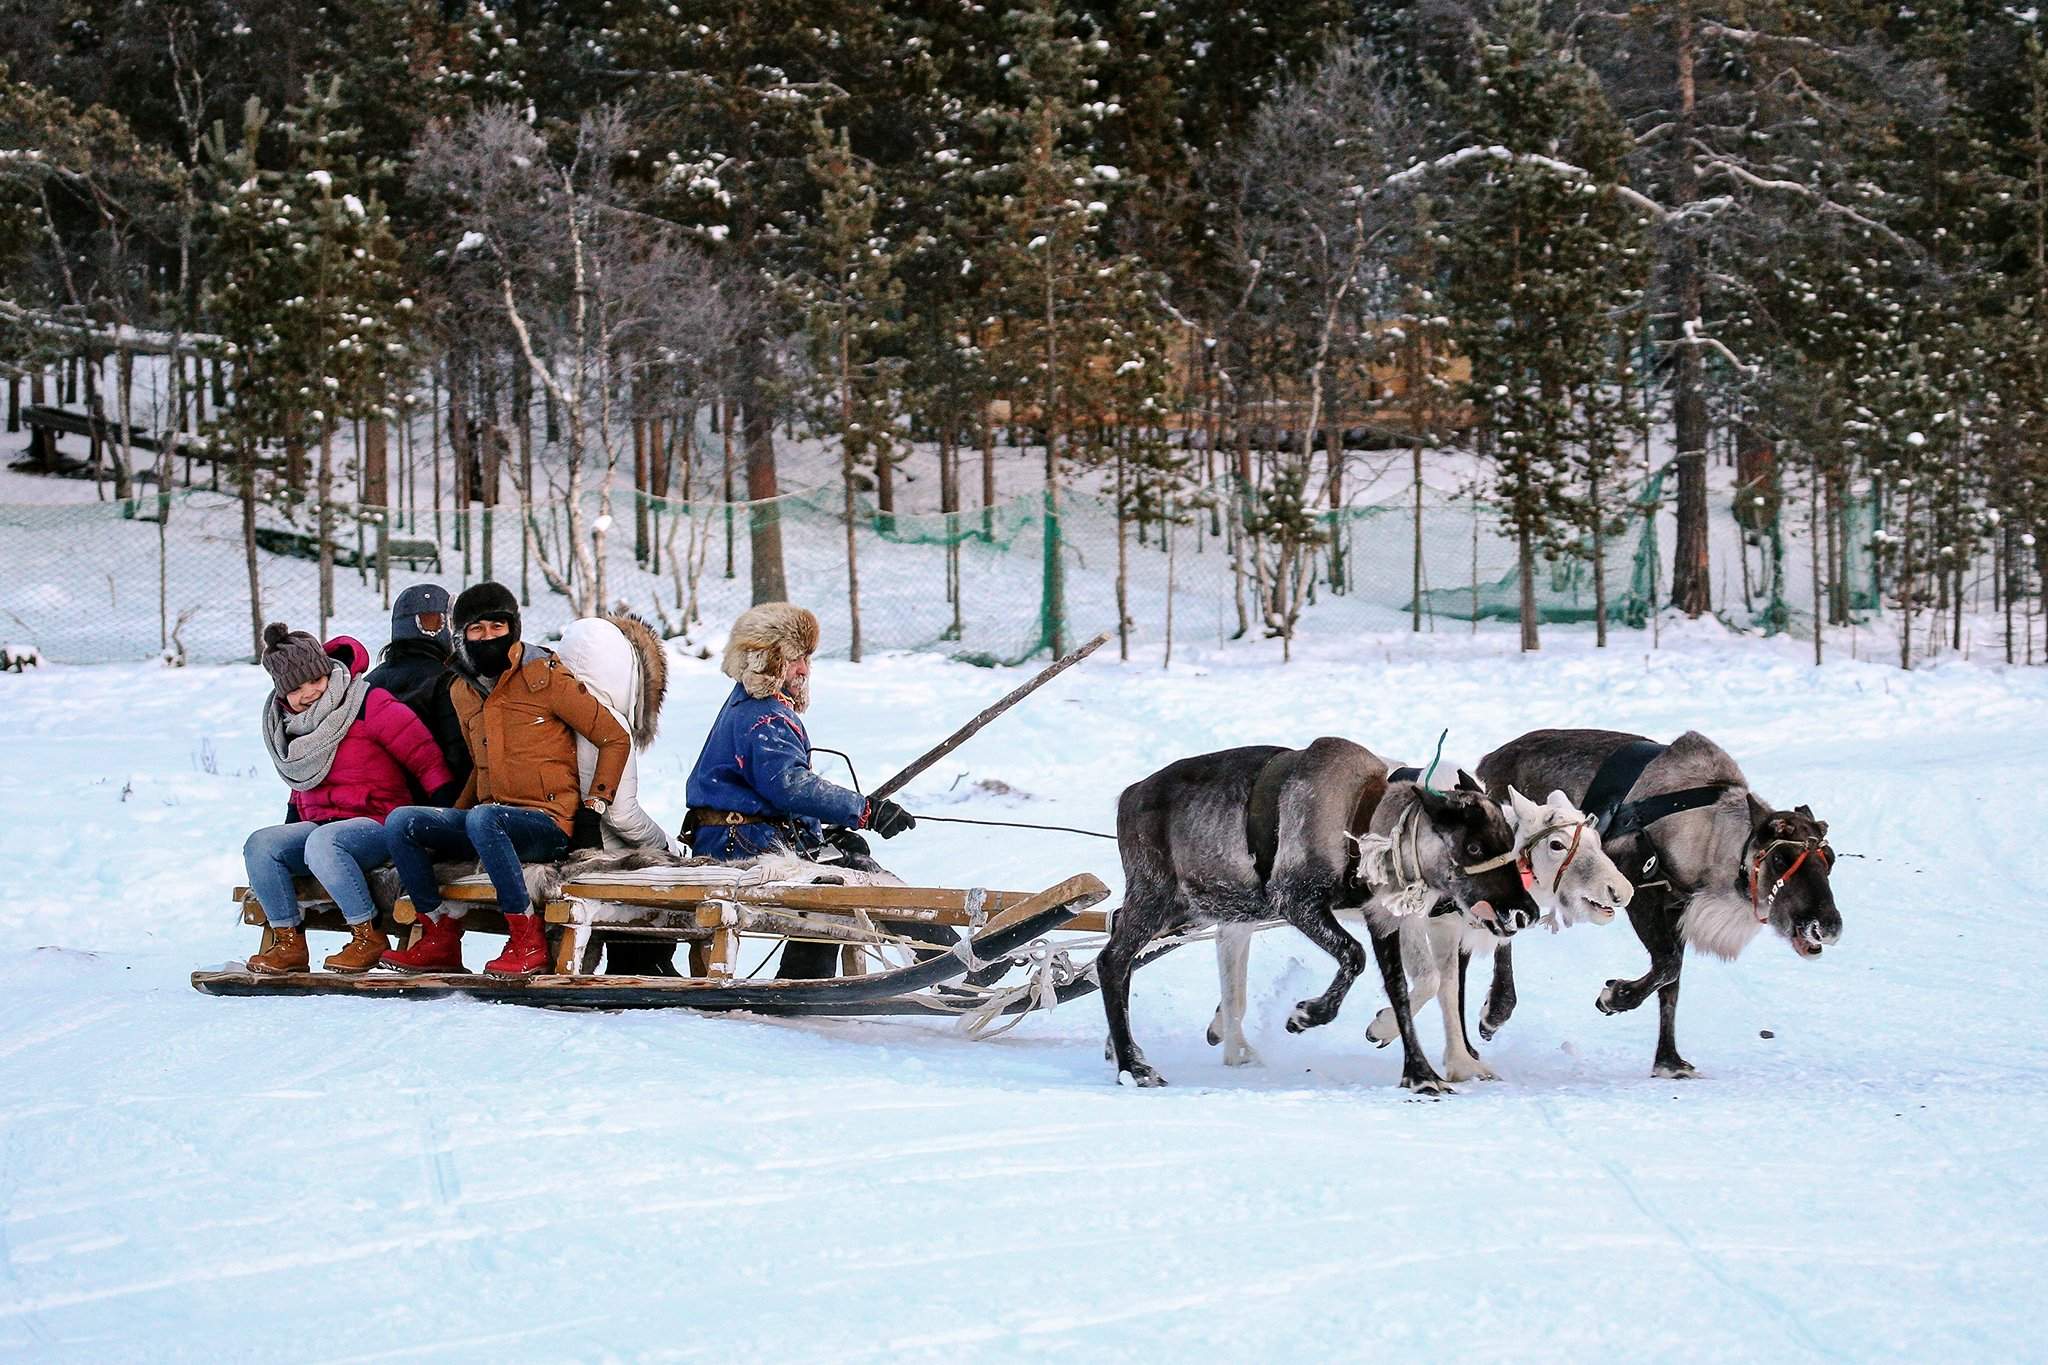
413 553
712 919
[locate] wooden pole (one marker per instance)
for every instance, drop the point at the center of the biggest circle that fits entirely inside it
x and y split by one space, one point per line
973 727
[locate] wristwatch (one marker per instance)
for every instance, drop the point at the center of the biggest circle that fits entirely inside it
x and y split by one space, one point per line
599 806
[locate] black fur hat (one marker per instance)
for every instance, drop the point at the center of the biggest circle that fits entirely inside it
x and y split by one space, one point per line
486 601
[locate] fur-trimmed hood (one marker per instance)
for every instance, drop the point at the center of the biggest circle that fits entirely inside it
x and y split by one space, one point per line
764 639
623 664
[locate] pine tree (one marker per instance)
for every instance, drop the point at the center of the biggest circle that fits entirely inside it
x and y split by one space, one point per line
1541 267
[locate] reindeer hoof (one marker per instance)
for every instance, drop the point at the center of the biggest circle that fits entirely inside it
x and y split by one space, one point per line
1213 1036
1140 1075
1426 1083
1303 1017
1487 1028
1382 1030
1677 1069
1476 1071
1241 1054
1604 1002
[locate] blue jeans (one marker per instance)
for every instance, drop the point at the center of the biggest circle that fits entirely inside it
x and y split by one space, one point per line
338 854
500 837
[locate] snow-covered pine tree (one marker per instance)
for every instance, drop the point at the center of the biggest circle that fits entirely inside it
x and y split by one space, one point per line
845 288
1043 203
1542 266
1736 111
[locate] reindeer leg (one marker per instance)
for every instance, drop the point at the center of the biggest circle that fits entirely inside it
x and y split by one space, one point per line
1145 916
1657 930
1322 929
1461 1063
1669 1064
1500 1000
1416 1072
1233 956
1418 960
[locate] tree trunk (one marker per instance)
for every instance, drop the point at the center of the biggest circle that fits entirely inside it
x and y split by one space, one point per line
640 485
764 516
249 553
988 475
1123 567
1526 558
725 434
1906 588
1691 591
326 523
846 472
1599 558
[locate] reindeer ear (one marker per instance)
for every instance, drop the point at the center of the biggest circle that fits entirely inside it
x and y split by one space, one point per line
1469 783
1525 811
1440 807
1806 811
1758 811
1561 803
1822 826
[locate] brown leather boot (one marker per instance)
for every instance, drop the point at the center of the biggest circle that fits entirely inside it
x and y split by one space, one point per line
366 947
286 954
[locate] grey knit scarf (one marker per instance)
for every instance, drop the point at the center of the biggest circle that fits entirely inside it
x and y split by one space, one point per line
303 746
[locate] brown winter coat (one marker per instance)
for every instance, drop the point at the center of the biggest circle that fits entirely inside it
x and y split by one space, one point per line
523 738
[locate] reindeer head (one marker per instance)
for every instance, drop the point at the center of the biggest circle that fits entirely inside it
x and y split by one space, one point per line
1570 875
1477 866
1785 868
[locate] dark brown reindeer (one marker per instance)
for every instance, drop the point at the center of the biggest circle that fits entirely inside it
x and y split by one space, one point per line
1266 833
1712 864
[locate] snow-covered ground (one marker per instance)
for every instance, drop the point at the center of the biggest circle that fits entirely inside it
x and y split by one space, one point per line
192 1178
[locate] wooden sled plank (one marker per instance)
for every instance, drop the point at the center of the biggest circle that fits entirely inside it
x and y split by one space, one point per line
877 992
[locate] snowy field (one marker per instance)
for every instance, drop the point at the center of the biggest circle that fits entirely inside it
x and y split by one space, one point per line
192 1178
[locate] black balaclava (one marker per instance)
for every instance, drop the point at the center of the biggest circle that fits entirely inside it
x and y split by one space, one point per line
486 602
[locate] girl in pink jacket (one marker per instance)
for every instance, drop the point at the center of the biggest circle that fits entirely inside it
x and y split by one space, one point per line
351 754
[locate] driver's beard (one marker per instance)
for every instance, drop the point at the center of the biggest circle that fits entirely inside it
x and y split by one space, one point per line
798 692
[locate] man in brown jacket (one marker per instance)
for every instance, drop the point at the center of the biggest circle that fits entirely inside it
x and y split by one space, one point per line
521 711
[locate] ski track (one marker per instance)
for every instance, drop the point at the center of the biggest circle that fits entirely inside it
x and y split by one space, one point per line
183 1178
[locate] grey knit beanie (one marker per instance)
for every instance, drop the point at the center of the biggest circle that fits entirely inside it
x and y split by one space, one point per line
292 658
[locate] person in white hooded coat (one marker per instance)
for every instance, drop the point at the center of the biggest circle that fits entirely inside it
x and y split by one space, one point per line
622 663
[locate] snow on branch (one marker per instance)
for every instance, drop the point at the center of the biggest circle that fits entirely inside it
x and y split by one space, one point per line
120 337
1695 337
1451 160
1737 171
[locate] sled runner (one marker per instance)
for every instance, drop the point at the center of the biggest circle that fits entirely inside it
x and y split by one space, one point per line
715 910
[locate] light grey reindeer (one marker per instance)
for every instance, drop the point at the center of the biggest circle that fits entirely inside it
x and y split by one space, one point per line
1337 835
1712 864
1569 876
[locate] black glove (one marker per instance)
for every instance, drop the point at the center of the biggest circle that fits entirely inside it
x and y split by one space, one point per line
888 819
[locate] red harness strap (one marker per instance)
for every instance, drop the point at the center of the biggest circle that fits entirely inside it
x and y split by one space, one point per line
1806 849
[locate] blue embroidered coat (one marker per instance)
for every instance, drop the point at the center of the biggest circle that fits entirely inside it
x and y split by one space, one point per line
757 761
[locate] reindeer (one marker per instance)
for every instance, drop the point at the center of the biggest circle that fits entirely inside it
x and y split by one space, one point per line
1261 833
1712 864
1569 876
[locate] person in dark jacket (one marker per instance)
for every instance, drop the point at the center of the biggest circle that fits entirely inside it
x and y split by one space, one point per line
752 791
417 668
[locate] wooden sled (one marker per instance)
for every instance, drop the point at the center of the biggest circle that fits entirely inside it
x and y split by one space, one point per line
714 919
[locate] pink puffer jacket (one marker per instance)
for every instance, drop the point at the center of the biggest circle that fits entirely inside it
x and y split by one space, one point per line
386 745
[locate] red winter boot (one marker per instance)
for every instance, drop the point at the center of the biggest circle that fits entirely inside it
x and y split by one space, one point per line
526 948
439 948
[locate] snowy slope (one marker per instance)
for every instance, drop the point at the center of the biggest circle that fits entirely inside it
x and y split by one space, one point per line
191 1178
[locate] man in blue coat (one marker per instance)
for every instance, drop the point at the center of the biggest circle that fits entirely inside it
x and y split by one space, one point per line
753 791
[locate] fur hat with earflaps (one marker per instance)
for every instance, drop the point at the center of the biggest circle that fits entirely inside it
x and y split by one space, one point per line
764 639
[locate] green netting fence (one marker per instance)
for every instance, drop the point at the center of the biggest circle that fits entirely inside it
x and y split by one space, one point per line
101 581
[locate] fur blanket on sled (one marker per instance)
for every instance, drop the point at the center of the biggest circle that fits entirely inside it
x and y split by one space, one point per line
544 881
